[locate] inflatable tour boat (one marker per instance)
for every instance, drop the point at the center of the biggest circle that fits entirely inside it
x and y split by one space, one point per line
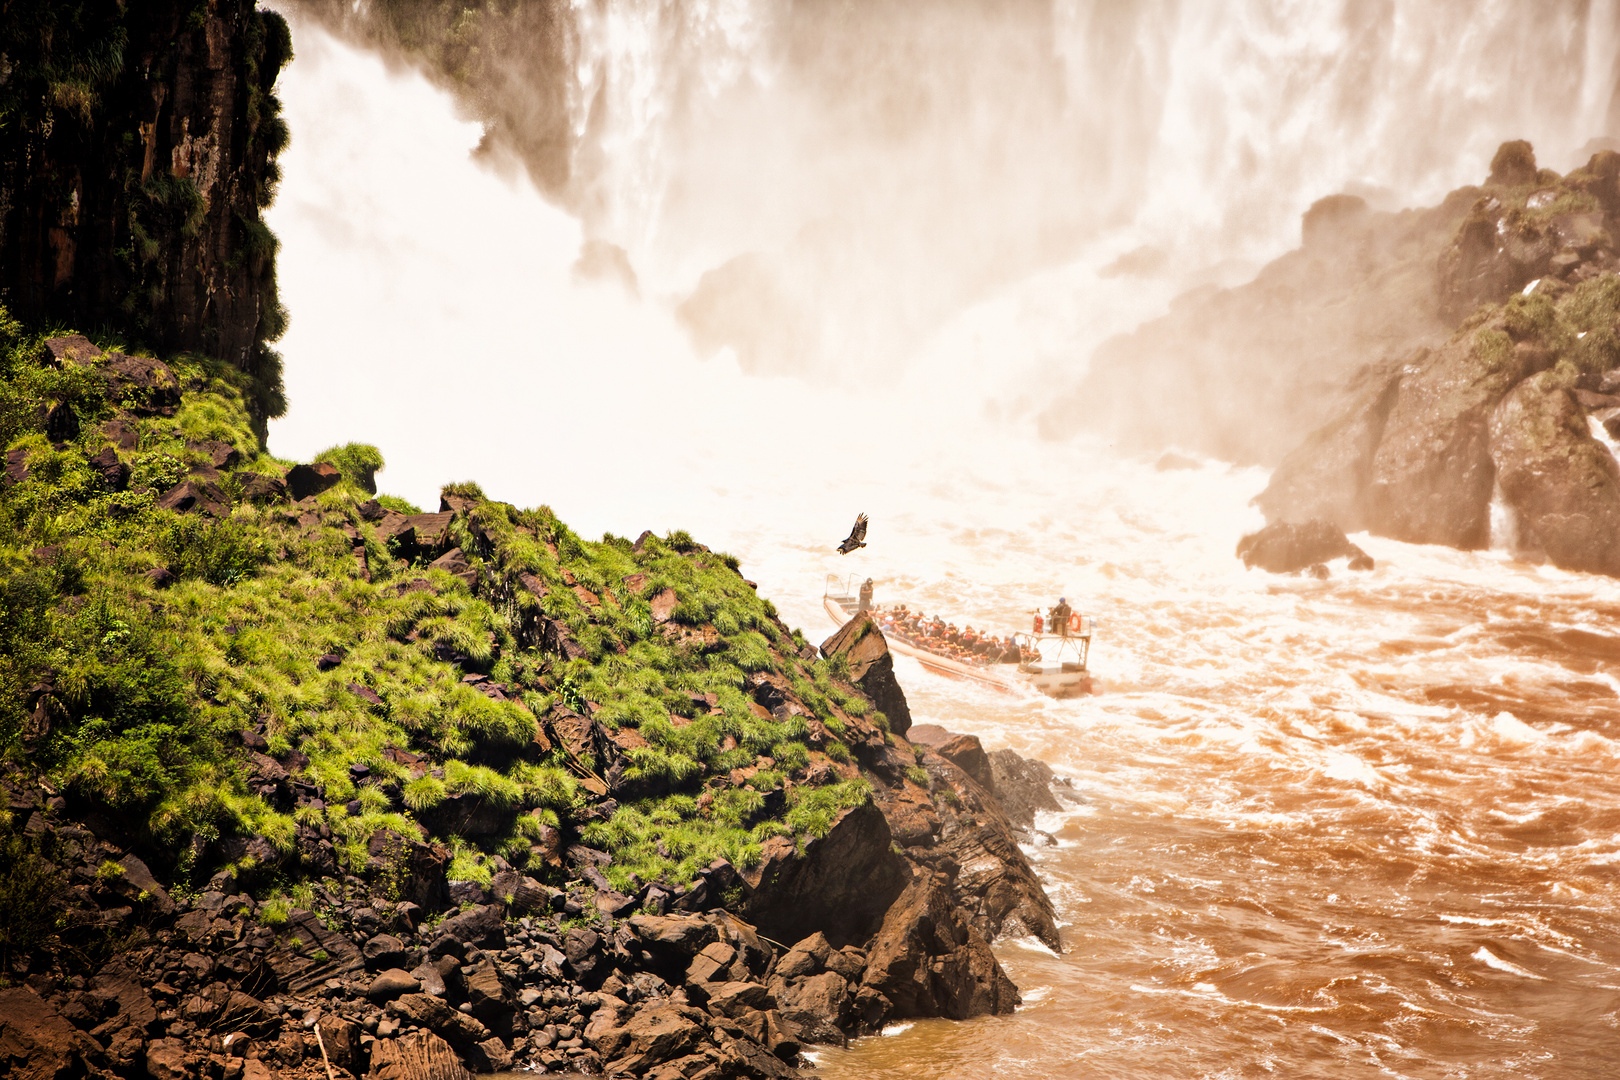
1055 664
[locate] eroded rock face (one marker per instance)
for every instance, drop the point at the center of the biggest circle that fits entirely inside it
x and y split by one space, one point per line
871 667
841 884
1412 460
927 961
1562 485
186 122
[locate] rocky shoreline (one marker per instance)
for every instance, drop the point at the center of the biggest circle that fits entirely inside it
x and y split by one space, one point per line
520 974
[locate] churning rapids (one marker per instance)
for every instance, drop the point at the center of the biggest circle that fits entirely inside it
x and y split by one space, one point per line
1362 827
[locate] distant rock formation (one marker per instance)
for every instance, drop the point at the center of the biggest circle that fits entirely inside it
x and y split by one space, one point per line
1509 408
1285 548
1245 374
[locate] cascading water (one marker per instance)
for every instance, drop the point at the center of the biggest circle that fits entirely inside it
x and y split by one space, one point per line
1362 827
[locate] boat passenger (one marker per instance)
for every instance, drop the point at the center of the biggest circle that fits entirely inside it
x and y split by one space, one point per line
1040 622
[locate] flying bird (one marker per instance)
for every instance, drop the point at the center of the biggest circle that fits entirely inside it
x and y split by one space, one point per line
857 536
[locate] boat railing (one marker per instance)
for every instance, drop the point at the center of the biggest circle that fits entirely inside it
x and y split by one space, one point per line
848 585
1073 648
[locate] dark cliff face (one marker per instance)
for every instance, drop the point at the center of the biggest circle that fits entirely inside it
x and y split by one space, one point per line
137 148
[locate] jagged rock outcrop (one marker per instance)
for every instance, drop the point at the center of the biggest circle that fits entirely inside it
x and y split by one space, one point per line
1562 486
871 667
1507 407
138 151
840 884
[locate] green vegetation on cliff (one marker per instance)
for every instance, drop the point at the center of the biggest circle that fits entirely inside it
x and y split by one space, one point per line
230 677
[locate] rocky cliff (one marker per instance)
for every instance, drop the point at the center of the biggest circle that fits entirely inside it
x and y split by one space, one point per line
1513 408
1310 341
137 148
299 774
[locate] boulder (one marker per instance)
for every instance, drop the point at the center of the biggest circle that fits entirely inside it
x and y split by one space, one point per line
1286 548
840 883
306 480
649 1037
821 1006
196 497
1022 787
454 563
431 531
1562 485
808 957
871 667
148 387
73 349
484 927
458 1028
217 453
928 961
340 1037
257 487
735 999
111 469
383 952
963 751
36 1043
419 1055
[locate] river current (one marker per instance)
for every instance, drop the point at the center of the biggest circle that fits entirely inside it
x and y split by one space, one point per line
1362 827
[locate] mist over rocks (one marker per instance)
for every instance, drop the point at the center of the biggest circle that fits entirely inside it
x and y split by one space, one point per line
1243 374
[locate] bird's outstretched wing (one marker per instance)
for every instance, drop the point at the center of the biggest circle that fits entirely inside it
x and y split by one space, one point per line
856 538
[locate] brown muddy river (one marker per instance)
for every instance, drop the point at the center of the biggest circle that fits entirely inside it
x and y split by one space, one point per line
1367 827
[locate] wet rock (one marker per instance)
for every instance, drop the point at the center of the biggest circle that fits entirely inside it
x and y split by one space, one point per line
871 667
1286 548
928 961
419 1055
1562 485
1428 476
1023 786
306 480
